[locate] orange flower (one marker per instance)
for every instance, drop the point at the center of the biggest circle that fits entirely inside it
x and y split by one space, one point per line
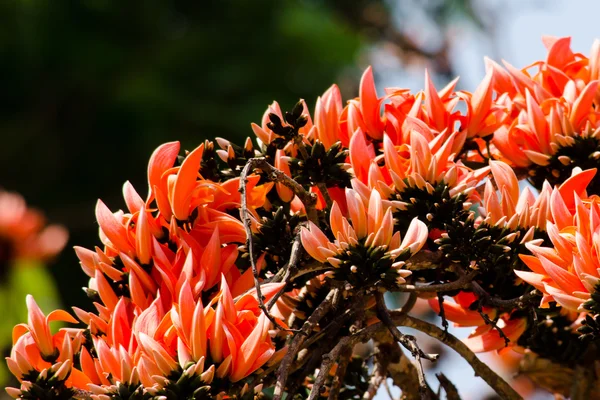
327 115
504 207
553 124
368 240
42 358
568 272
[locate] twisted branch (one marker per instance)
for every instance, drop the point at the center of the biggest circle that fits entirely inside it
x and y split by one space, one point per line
481 369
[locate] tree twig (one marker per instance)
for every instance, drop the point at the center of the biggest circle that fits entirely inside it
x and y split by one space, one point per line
290 269
340 373
249 242
462 282
308 199
323 189
408 341
481 369
449 388
520 302
284 368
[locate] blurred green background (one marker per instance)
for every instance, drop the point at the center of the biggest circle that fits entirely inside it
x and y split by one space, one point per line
90 88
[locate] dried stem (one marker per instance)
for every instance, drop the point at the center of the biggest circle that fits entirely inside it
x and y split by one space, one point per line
449 388
408 341
340 373
291 268
249 242
309 325
308 199
462 282
323 189
481 369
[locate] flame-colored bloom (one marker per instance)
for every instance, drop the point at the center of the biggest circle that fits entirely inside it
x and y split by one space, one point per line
507 208
191 236
568 272
42 359
421 179
365 244
553 124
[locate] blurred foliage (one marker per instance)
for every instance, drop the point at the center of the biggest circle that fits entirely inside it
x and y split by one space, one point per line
91 87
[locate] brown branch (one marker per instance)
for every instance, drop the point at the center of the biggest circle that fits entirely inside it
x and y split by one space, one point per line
380 371
410 302
249 242
390 360
582 383
425 259
313 267
323 189
461 283
290 269
408 341
520 302
307 327
336 323
481 369
449 388
328 359
308 199
340 373
404 374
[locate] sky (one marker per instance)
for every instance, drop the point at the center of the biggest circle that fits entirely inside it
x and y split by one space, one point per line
518 28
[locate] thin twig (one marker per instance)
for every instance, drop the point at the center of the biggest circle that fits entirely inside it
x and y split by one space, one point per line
462 282
334 325
308 199
340 373
388 390
284 368
408 341
442 312
520 302
323 189
449 388
290 269
410 302
313 267
250 243
496 382
387 352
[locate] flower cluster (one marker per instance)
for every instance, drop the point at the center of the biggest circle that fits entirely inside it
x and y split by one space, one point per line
257 266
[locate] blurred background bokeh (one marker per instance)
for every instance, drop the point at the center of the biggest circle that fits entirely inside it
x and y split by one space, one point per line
90 87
